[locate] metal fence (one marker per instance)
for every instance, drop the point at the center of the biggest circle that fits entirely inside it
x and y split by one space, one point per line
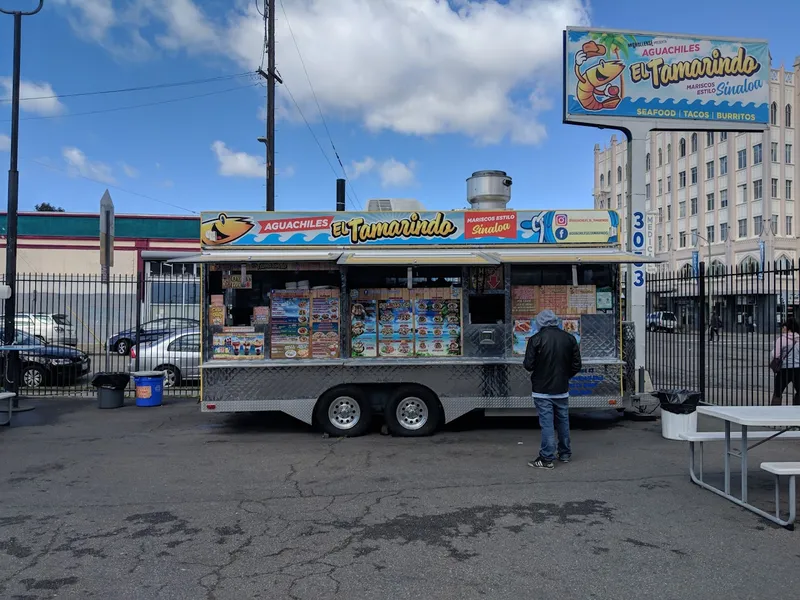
84 326
715 331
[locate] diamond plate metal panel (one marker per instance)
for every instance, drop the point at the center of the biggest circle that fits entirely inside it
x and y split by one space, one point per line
475 334
629 356
599 336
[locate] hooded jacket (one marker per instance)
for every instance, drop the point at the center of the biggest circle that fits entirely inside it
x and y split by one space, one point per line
552 356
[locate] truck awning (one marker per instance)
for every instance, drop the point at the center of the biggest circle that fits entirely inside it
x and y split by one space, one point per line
417 257
575 256
242 256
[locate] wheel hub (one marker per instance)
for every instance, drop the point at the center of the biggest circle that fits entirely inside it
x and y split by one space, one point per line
344 413
412 413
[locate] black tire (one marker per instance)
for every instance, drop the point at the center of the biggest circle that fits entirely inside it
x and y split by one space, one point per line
172 376
652 328
123 347
413 412
33 376
344 412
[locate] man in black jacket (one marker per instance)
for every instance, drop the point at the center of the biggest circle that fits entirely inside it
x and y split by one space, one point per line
553 358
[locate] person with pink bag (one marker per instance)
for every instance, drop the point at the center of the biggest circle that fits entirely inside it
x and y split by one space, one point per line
785 363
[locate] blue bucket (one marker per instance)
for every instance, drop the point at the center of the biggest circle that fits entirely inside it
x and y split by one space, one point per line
149 388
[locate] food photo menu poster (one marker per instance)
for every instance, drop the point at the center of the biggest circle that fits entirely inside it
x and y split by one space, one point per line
438 327
325 324
363 325
290 324
395 326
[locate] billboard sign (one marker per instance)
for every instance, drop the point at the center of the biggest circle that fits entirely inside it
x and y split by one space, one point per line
611 74
454 228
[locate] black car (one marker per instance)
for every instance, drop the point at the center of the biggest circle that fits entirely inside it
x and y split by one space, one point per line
49 364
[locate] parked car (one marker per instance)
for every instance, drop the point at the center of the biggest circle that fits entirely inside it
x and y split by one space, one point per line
51 328
49 364
662 321
122 342
178 355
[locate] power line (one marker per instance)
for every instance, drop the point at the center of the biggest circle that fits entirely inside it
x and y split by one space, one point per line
133 106
316 100
116 187
142 88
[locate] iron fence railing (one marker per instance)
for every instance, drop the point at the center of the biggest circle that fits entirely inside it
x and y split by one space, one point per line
715 331
84 326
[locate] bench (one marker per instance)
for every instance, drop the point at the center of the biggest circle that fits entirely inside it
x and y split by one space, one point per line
8 397
791 470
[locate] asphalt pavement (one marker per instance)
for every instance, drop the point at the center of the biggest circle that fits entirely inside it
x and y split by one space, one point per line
171 503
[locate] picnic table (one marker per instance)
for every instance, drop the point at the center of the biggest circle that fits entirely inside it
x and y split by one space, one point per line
9 397
783 419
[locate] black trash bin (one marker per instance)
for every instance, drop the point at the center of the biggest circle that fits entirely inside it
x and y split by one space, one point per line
678 412
111 389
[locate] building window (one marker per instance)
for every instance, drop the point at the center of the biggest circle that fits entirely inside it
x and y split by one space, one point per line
717 268
660 157
660 188
669 241
710 234
773 113
608 178
742 194
741 159
694 237
788 226
774 224
748 265
742 228
774 188
773 152
788 195
723 136
757 154
788 158
619 201
694 175
758 227
681 179
723 198
693 206
787 118
694 143
682 239
723 232
783 263
710 169
723 165
710 201
619 174
682 148
660 215
709 138
602 180
603 203
660 243
647 162
758 189
669 183
681 209
669 213
647 191
669 153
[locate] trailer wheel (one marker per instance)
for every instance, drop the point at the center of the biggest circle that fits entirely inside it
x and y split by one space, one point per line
413 412
344 412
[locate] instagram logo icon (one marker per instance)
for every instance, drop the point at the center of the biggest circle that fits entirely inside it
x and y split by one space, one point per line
561 220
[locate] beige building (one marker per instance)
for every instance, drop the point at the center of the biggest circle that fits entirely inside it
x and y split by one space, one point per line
729 191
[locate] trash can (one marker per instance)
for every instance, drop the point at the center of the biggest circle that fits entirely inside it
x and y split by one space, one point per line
678 412
149 387
111 389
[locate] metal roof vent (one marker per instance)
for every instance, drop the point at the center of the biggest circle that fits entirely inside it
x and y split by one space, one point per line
489 190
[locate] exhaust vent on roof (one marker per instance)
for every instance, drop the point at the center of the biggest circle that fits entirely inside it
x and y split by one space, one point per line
394 204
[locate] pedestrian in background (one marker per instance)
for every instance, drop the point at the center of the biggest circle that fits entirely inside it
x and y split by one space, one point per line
714 327
552 357
786 357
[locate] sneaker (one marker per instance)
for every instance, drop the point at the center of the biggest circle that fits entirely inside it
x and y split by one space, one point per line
564 459
540 463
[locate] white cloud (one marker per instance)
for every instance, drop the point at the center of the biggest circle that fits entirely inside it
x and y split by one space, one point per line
237 164
392 172
130 171
46 105
417 67
90 18
287 171
5 143
79 164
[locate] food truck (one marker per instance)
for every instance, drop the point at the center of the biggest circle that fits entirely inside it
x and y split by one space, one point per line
337 318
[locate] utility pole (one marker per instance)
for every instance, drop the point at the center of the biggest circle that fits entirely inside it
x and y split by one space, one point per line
271 77
13 201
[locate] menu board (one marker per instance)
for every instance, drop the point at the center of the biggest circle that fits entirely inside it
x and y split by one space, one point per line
363 327
567 302
238 344
325 324
395 327
290 327
237 282
438 327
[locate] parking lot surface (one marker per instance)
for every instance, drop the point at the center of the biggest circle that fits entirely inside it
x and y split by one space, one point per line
170 503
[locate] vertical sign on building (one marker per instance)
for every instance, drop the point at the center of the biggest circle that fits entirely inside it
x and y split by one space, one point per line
762 251
696 262
650 246
106 236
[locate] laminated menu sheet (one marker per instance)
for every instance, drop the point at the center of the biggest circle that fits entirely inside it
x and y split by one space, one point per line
304 324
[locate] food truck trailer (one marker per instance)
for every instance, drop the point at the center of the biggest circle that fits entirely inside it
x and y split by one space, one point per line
421 317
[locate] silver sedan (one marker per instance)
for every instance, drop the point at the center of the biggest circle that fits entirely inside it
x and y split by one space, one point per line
177 354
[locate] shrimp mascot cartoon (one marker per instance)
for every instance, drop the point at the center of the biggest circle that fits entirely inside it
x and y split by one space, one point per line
595 91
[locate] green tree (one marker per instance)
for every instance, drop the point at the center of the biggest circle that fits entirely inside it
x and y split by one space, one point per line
47 207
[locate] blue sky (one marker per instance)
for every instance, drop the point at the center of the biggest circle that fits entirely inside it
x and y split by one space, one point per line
415 98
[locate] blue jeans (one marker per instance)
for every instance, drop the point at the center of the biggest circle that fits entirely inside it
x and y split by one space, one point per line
553 409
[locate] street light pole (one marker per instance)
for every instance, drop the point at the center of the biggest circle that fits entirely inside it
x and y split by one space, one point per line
13 200
710 297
